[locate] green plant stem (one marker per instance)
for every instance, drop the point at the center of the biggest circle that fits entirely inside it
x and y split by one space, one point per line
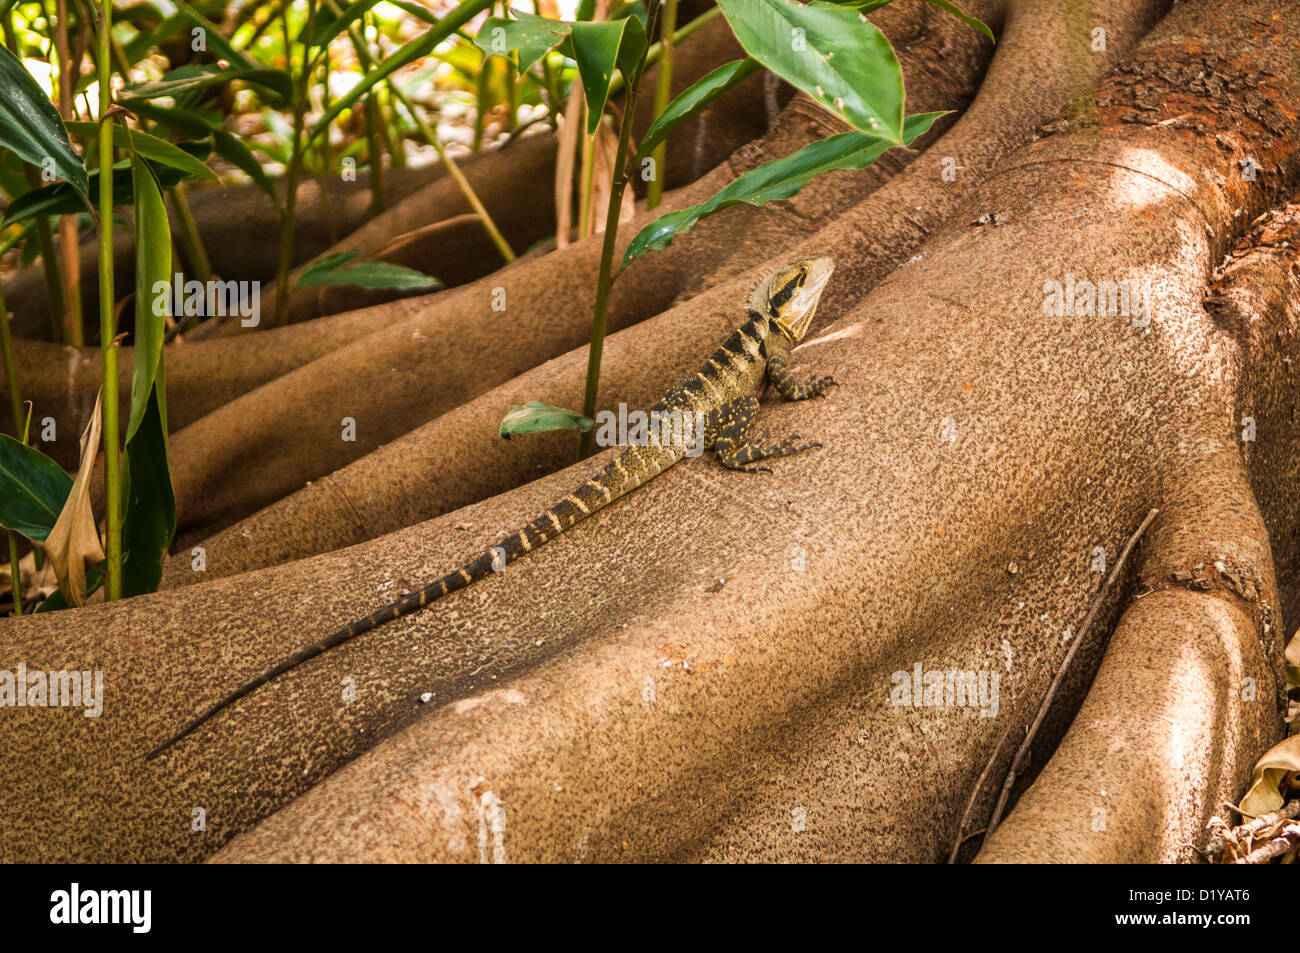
16 411
107 331
11 369
16 574
374 138
295 172
615 206
588 173
663 95
196 256
453 170
480 105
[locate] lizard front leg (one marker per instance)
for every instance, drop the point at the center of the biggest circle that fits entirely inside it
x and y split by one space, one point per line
728 428
785 385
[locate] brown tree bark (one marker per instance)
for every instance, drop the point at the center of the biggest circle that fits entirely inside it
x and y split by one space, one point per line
436 352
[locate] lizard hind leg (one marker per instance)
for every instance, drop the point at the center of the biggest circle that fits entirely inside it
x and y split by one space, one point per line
729 427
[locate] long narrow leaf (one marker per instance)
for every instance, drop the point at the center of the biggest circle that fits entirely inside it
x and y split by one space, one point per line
151 147
150 520
191 77
153 265
334 270
779 179
62 199
692 100
30 125
214 39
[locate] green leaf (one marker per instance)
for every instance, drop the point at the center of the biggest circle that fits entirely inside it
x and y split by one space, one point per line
420 47
30 126
779 179
215 40
61 199
598 48
232 149
150 519
153 265
228 146
692 100
328 26
192 77
185 122
367 274
536 417
831 53
151 147
13 176
530 36
965 18
33 489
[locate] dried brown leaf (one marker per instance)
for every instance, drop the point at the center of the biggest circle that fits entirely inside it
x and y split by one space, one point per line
1266 792
73 543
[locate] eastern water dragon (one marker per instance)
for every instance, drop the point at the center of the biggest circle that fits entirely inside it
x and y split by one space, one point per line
723 394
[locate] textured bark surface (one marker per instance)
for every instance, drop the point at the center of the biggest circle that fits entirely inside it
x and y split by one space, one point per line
457 459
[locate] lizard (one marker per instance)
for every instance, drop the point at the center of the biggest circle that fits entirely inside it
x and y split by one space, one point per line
725 391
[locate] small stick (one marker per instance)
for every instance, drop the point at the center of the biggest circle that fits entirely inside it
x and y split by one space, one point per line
1017 763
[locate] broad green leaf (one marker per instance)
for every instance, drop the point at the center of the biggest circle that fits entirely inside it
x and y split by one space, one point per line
33 489
150 519
598 48
192 77
61 199
330 270
529 35
779 179
151 147
831 53
153 265
420 47
536 417
30 126
328 25
692 100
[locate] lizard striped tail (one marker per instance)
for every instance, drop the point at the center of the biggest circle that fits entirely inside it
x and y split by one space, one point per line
632 468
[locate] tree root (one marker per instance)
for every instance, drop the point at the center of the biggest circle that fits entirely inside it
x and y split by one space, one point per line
456 458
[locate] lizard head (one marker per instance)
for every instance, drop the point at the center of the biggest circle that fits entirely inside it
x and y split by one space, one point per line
789 297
